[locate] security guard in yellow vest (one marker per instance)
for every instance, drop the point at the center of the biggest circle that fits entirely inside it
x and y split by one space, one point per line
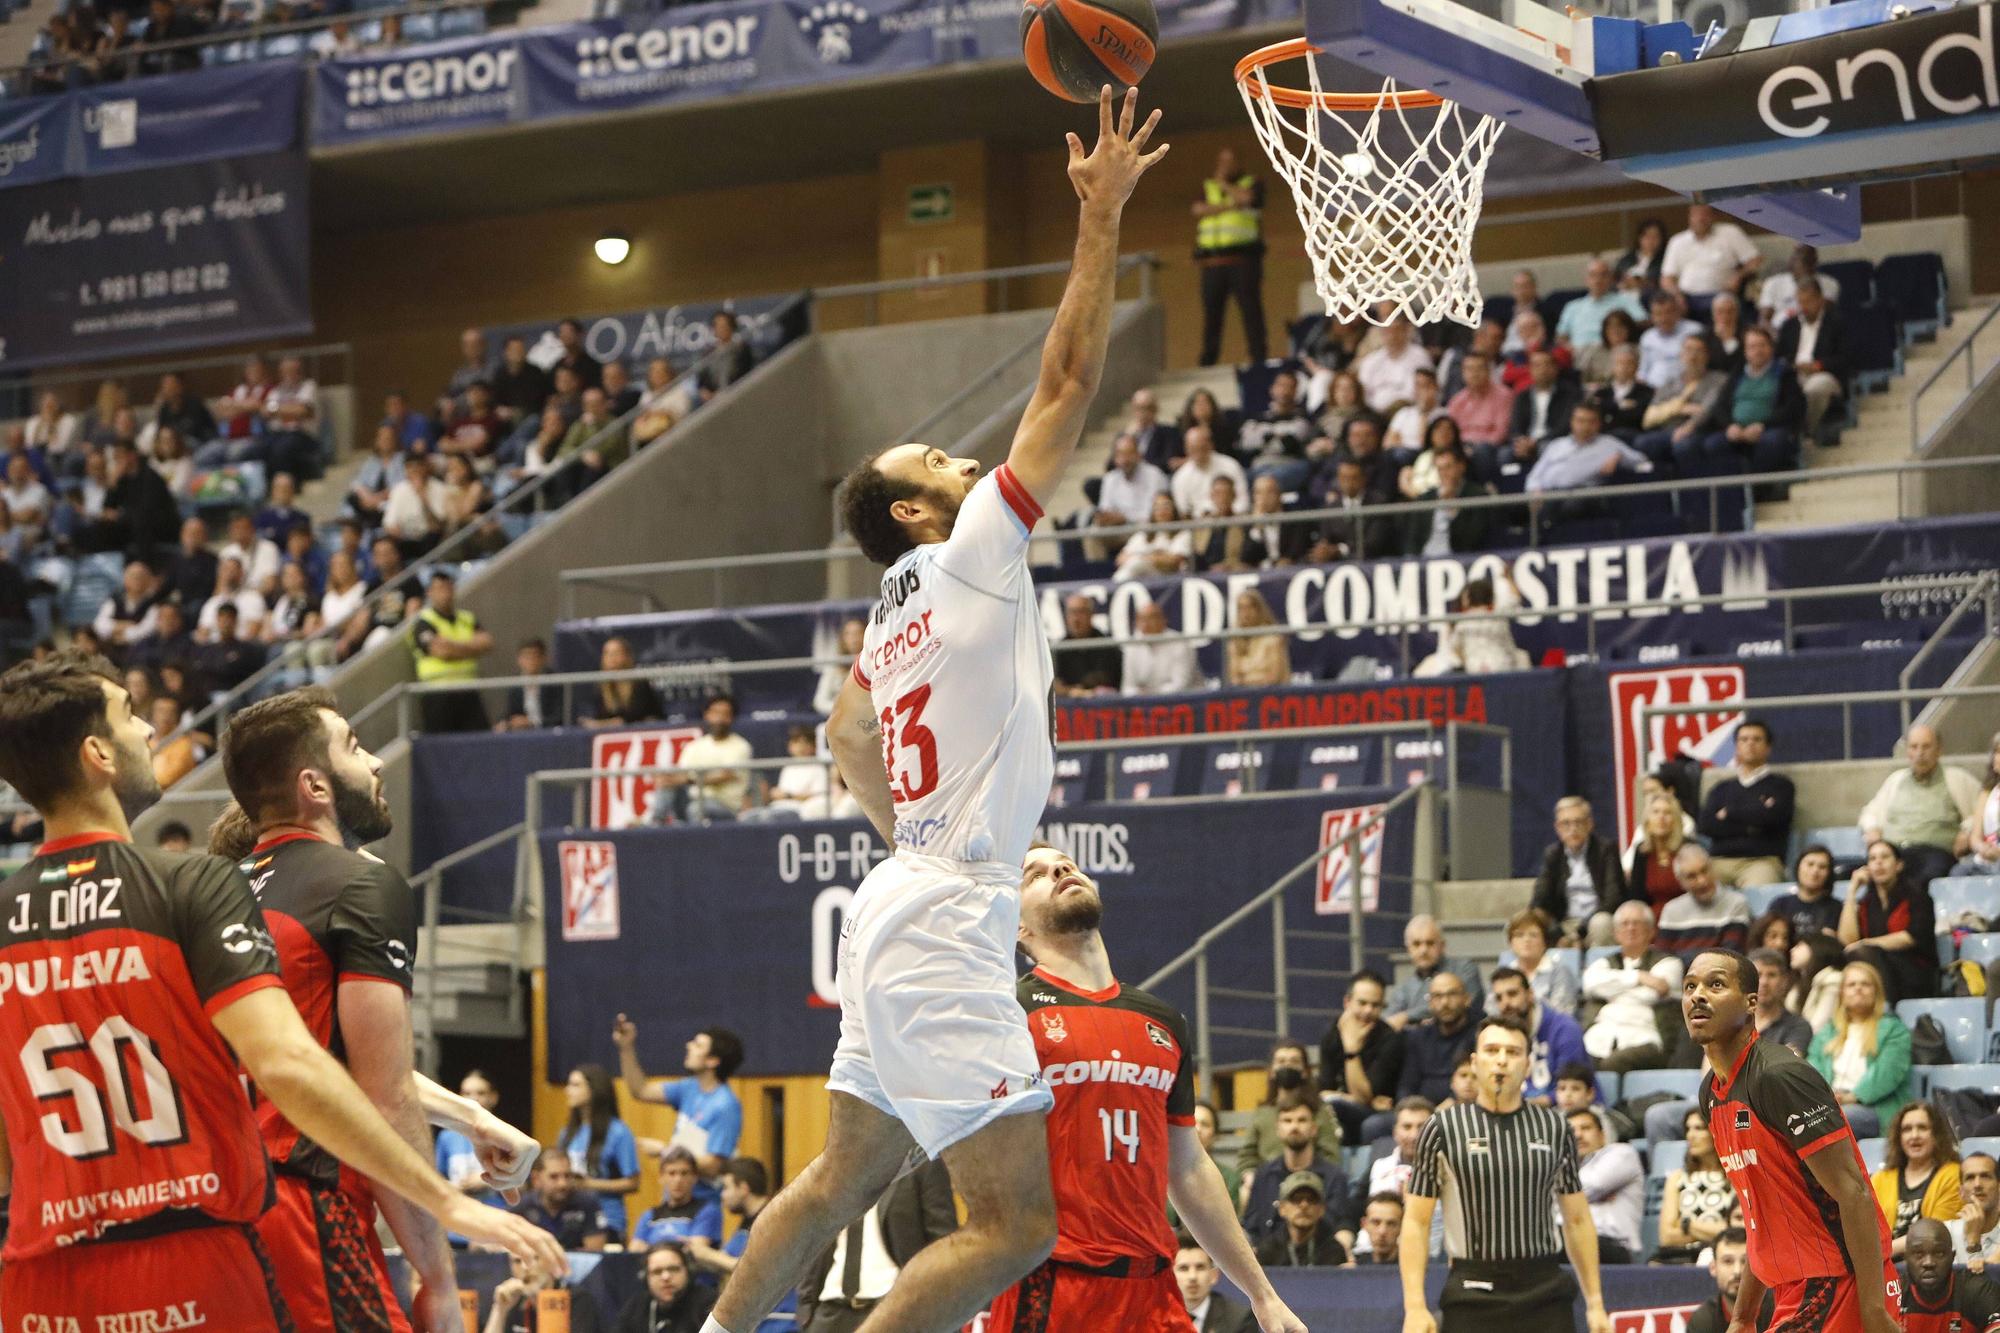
448 644
1229 249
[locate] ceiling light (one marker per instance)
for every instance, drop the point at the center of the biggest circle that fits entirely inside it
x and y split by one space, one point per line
612 248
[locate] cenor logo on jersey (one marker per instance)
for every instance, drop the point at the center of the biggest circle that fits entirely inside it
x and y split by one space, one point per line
589 890
1336 871
1703 735
1054 1026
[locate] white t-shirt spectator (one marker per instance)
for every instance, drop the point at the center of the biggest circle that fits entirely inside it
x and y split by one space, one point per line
260 561
1778 298
251 608
1388 379
1159 668
405 515
1704 265
706 751
1135 558
305 394
1191 484
27 504
336 607
1132 496
38 434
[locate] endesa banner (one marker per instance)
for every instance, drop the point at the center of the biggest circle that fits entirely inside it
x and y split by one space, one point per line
699 897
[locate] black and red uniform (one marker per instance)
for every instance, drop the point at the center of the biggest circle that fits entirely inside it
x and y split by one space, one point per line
337 917
137 1167
1968 1304
1120 1065
1768 1114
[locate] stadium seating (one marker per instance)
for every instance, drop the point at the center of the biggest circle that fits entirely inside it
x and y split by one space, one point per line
1977 1078
1667 1157
1683 1083
1963 1022
1761 896
1979 895
1983 949
1913 286
1872 1153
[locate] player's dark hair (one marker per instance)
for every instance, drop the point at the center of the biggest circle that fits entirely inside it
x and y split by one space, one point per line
865 497
1761 725
47 710
1501 974
1507 1021
749 1173
597 1113
232 835
268 743
727 1049
1746 971
1576 1071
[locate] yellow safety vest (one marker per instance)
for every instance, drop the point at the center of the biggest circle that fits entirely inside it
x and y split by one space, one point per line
460 628
1233 226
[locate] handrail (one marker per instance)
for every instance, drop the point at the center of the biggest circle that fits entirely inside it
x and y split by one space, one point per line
144 369
1845 700
432 880
1145 260
1981 591
1920 443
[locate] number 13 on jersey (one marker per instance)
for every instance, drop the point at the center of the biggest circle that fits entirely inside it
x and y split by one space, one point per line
906 741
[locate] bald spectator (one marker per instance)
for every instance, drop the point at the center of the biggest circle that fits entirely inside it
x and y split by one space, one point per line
1581 323
475 366
1160 442
1533 333
1158 668
1527 296
1706 915
1125 495
1191 482
1709 257
1424 941
1389 373
1434 1048
1634 987
1778 298
1661 346
1921 808
1094 669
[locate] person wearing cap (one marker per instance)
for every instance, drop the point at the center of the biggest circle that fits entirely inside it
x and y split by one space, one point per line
1306 1239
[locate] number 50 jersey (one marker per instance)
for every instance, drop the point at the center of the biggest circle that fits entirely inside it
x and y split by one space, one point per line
120 1098
957 664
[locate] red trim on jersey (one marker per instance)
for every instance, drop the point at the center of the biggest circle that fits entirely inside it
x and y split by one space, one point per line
346 977
1724 1083
1017 496
224 998
860 679
1099 996
1184 1121
76 840
1830 1137
280 839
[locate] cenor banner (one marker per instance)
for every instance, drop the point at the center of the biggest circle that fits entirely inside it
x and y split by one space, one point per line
144 262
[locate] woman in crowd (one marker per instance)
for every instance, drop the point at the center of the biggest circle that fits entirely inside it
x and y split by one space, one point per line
834 675
1919 1175
623 702
173 462
1343 404
1650 864
1201 409
1533 937
1151 553
1256 659
1638 269
1421 476
1694 1206
1863 1052
1290 1074
1773 930
345 592
51 429
465 495
294 605
1979 840
1593 364
100 424
1889 923
599 1145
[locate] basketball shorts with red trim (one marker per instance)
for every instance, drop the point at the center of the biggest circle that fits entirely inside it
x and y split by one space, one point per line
212 1277
330 1265
1826 1305
1058 1298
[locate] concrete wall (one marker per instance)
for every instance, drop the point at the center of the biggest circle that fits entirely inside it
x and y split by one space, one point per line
1968 432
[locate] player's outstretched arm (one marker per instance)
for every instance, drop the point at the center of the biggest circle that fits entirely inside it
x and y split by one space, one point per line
1413 1257
625 1036
855 738
318 1096
1201 1197
506 1154
1073 356
1580 1239
1838 1172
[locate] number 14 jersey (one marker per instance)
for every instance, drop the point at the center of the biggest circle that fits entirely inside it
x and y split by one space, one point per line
957 664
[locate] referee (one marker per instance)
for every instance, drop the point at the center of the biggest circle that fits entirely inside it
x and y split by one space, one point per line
1495 1163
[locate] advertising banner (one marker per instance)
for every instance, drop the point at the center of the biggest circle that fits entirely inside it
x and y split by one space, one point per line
34 140
680 333
434 88
139 263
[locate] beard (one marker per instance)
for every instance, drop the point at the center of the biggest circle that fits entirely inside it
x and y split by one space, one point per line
134 785
947 503
1075 916
363 817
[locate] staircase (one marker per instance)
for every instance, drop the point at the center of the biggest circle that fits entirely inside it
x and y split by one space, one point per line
19 28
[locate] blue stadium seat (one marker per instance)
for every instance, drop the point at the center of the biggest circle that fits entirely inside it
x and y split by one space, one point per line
1977 1078
1079 777
1872 344
1970 893
1872 1153
1669 1155
1679 1082
1338 761
1963 1021
1499 309
1857 284
1140 773
1608 1088
1761 896
1989 1146
1913 286
1981 949
1843 840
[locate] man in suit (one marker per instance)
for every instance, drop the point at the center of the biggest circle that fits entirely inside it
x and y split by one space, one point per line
1449 531
856 1271
1541 409
1814 344
1582 881
1273 542
533 706
1353 536
1159 441
1196 1273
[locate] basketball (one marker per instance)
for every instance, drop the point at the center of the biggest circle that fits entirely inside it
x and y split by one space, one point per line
1075 47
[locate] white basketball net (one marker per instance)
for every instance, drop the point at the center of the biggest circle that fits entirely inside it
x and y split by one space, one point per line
1388 226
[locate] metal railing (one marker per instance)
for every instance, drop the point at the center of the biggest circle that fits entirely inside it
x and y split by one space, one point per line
1984 592
316 357
1845 700
1272 899
1975 371
870 293
617 577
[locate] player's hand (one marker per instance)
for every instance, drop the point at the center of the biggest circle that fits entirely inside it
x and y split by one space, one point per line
624 1033
1877 1319
519 1237
1419 1321
437 1310
506 1155
1595 1320
1274 1316
1106 176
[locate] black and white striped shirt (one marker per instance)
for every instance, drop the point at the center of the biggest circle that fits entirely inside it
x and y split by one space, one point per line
1496 1178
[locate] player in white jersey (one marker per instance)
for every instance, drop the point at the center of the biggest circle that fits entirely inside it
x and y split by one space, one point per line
943 736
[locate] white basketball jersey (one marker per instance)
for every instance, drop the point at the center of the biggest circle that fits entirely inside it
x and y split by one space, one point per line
957 664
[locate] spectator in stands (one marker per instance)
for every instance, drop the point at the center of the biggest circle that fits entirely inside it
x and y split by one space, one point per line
473 430
1381 1237
448 644
1747 817
1361 443
1920 1172
465 500
140 514
1388 374
728 361
1304 1238
176 752
559 1204
1418 475
1262 660
1813 342
514 1308
746 1191
1357 536
1360 1058
520 387
1778 298
1202 409
1342 406
258 555
1889 923
1159 441
622 703
27 501
1979 1184
1694 1205
1682 416
1725 333
171 460
1389 1173
1759 418
1192 480
414 514
1478 647
1594 364
599 1144
1286 1081
1125 494
588 370
170 641
229 657
240 412
1978 838
1811 906
1406 432
412 428
345 592
711 779
1663 346
1709 257
230 591
1581 324
296 611
1635 987
1558 1041
1705 916
1276 441
1622 399
595 440
1864 1053
475 366
1433 1048
174 406
167 22
1158 668
800 790
1411 998
1585 457
708 1114
1449 529
379 475
834 675
1298 1152
275 521
1542 409
1614 1181
1922 808
1526 293
1092 670
1518 371
1531 936
679 1213
1196 1275
129 614
1230 548
1581 881
671 1302
1775 980
1649 866
528 706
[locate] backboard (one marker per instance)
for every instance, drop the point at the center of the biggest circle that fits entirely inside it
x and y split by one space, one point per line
1773 110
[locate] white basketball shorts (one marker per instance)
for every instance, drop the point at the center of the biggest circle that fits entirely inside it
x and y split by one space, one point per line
931 1031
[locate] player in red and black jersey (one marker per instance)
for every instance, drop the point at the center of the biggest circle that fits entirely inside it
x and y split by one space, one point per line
1121 1138
126 979
1937 1300
1817 1237
345 929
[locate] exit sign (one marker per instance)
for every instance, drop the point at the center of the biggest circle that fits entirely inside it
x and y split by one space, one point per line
930 203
